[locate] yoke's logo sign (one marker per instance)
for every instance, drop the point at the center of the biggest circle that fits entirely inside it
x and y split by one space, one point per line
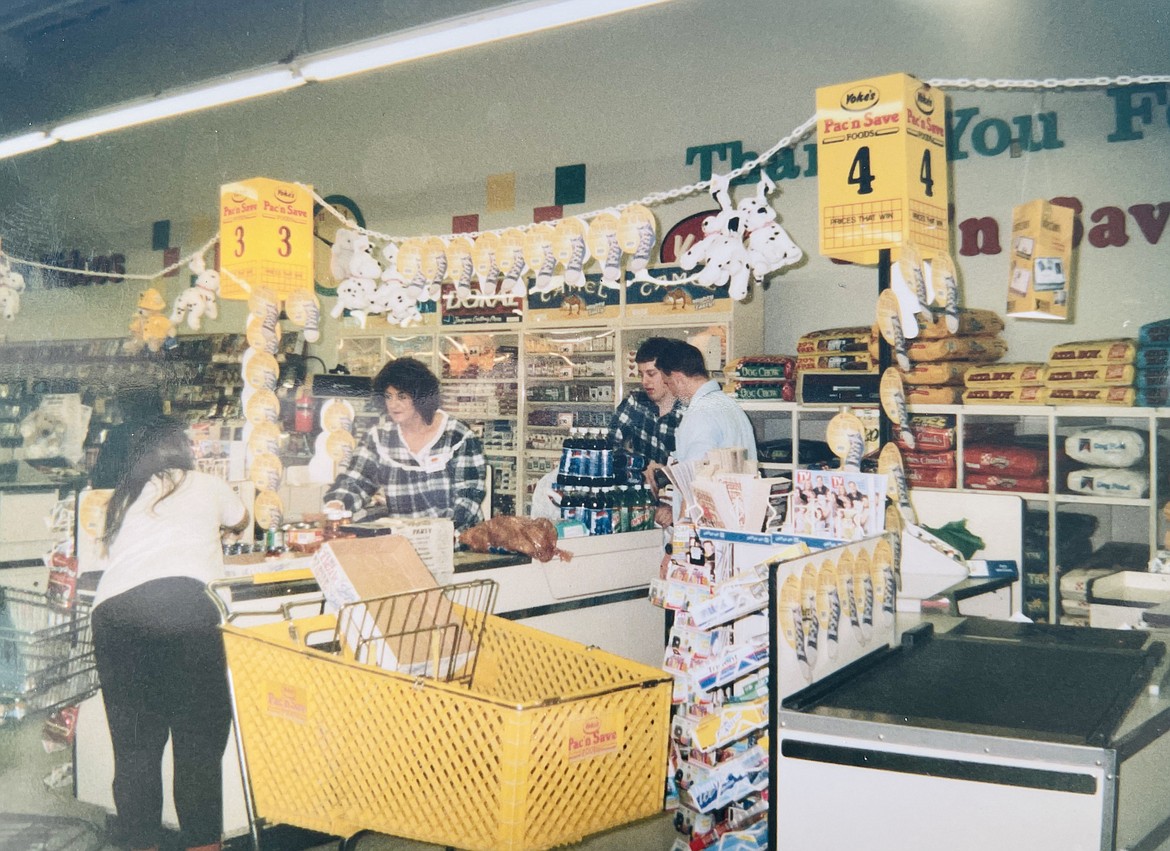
862 97
924 98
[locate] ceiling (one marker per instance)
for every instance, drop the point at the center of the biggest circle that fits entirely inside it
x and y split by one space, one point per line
60 58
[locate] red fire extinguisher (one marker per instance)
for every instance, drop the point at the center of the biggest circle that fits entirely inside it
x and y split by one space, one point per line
303 422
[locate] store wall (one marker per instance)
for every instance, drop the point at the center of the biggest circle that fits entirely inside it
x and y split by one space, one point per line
637 99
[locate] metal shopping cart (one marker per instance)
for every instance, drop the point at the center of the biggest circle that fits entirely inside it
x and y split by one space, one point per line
422 715
46 653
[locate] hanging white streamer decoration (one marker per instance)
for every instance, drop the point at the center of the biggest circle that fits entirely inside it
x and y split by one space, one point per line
657 198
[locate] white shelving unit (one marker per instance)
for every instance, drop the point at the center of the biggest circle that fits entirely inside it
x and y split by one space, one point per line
1124 519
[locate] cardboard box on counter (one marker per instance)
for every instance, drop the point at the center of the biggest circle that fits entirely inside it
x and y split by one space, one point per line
418 635
433 539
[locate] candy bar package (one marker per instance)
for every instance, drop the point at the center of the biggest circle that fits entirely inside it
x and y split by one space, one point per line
1109 481
1028 394
1004 374
972 322
1106 447
937 372
1155 333
1002 482
973 349
1120 396
1015 461
1091 375
1121 350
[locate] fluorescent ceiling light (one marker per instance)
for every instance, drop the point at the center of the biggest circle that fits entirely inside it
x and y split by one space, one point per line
456 33
214 93
23 144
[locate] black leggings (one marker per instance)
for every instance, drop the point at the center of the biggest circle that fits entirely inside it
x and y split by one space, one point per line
161 664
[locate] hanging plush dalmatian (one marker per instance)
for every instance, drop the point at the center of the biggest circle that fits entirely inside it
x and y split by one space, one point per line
740 243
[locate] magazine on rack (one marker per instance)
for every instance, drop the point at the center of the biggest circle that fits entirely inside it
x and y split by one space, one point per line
835 504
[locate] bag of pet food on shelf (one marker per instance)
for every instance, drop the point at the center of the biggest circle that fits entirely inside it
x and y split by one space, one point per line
937 373
1004 375
1002 482
1119 396
1106 447
1121 350
1023 395
972 322
1015 461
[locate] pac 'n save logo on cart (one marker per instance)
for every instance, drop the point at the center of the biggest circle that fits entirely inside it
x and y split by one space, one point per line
594 734
286 701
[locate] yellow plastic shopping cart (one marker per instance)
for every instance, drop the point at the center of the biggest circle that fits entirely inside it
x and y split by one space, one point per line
498 737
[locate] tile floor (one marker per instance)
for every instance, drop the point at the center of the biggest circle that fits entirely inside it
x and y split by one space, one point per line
24 765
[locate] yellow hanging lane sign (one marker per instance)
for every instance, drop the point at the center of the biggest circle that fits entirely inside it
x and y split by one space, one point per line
882 168
265 237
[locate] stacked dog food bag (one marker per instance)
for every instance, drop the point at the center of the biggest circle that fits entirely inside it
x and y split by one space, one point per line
1092 372
939 359
852 349
1109 461
762 377
1005 384
930 462
1153 364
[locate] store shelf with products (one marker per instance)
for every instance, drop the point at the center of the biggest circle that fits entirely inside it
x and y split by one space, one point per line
1099 507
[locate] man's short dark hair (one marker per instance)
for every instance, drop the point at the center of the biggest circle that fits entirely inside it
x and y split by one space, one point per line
650 349
409 376
678 356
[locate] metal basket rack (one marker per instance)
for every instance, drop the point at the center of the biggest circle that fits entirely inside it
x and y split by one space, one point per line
46 653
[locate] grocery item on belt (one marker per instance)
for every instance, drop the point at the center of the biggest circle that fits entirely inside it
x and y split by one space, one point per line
972 322
1122 396
978 349
1121 350
938 372
1015 461
1155 333
1109 481
1106 447
1001 482
763 367
1090 375
932 394
1004 374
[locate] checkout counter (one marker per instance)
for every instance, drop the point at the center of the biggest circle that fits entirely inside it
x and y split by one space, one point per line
976 734
600 597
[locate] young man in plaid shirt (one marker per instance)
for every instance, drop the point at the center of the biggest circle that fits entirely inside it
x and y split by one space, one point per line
645 421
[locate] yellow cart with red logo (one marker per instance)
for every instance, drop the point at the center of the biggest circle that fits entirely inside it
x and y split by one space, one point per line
538 742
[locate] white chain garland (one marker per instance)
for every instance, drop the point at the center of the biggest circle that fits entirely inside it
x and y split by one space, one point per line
657 198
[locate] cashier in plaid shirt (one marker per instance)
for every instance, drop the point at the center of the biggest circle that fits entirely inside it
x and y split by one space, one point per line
645 421
416 462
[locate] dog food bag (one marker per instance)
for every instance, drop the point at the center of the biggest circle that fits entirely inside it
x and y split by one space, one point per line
1120 396
1106 447
1153 357
1004 482
1004 374
933 394
1122 350
981 349
1155 333
1091 375
1109 481
939 372
762 368
1008 460
1030 394
972 322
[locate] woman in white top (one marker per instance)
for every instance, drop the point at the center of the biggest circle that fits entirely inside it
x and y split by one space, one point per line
157 643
